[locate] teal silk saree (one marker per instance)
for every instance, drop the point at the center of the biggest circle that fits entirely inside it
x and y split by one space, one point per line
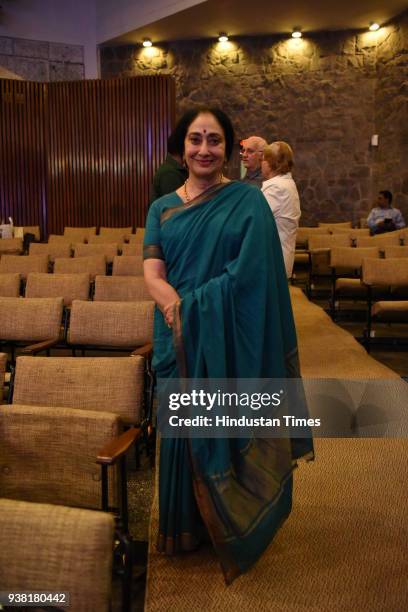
223 256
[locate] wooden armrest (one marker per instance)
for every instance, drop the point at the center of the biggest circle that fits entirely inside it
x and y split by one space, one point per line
117 447
39 346
145 351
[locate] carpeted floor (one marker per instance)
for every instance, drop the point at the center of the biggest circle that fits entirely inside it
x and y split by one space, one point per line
344 546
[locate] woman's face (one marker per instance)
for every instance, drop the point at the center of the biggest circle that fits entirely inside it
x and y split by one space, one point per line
204 147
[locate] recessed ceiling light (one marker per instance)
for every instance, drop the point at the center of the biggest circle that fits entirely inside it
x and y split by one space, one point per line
296 33
222 37
374 26
147 42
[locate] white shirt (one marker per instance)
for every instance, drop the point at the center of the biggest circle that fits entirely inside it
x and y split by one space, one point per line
283 198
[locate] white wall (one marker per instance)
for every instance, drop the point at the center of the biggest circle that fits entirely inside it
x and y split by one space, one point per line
71 22
114 18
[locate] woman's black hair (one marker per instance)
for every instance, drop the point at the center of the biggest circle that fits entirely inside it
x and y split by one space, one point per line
180 131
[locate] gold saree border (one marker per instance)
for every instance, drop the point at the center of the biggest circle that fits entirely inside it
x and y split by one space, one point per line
203 198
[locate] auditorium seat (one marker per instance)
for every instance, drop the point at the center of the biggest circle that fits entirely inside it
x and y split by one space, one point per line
43 548
120 289
395 251
134 248
79 234
11 246
92 265
115 234
23 264
51 249
331 226
109 250
10 284
127 265
68 286
383 240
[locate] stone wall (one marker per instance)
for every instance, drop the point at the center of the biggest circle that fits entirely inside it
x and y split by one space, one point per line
321 94
35 60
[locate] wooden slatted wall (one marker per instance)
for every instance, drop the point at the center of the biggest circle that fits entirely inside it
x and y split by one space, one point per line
83 153
23 184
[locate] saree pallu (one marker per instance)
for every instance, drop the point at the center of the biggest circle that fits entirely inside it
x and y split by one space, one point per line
223 257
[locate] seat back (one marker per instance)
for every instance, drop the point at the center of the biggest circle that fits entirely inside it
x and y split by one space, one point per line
11 246
96 264
24 264
30 319
390 272
329 241
89 250
388 239
351 258
111 324
127 265
111 384
116 234
53 238
121 289
50 454
67 536
10 284
51 249
134 249
68 286
79 234
304 233
395 251
353 233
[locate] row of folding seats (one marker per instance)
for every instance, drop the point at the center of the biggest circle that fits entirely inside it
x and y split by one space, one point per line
122 265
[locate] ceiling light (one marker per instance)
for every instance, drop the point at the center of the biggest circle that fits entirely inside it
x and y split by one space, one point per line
147 42
296 33
222 37
374 26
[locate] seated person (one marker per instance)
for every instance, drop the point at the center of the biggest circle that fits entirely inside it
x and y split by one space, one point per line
383 217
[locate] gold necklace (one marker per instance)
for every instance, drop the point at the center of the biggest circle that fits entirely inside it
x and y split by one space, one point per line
188 198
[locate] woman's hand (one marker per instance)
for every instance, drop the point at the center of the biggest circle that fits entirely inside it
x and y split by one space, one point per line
168 313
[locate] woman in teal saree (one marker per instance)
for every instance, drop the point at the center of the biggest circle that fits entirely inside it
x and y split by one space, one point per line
214 266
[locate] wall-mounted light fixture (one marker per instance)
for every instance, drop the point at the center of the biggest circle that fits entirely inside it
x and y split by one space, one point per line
222 37
297 32
374 26
147 42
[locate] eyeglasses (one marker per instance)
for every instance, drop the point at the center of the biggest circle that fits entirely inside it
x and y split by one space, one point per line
250 152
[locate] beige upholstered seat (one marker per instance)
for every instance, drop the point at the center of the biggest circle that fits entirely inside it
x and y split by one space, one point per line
53 238
120 289
350 258
387 239
122 325
329 241
10 284
109 384
138 236
89 250
46 548
127 265
51 453
391 311
78 265
79 234
319 247
51 249
23 264
11 246
26 321
395 251
68 286
134 248
115 234
304 233
353 233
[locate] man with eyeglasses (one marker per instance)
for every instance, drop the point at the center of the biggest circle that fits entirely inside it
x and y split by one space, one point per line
251 155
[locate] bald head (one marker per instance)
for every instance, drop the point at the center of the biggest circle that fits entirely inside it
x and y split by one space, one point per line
252 152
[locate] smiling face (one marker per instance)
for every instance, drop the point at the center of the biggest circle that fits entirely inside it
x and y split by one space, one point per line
204 147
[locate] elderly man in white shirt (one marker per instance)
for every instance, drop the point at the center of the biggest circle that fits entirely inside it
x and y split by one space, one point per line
280 190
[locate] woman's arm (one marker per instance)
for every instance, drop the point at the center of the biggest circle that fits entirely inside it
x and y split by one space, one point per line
161 291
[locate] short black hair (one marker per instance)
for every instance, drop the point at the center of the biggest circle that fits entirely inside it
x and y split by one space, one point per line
387 195
173 145
180 131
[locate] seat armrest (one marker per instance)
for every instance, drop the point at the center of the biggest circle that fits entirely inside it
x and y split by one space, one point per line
32 349
118 447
